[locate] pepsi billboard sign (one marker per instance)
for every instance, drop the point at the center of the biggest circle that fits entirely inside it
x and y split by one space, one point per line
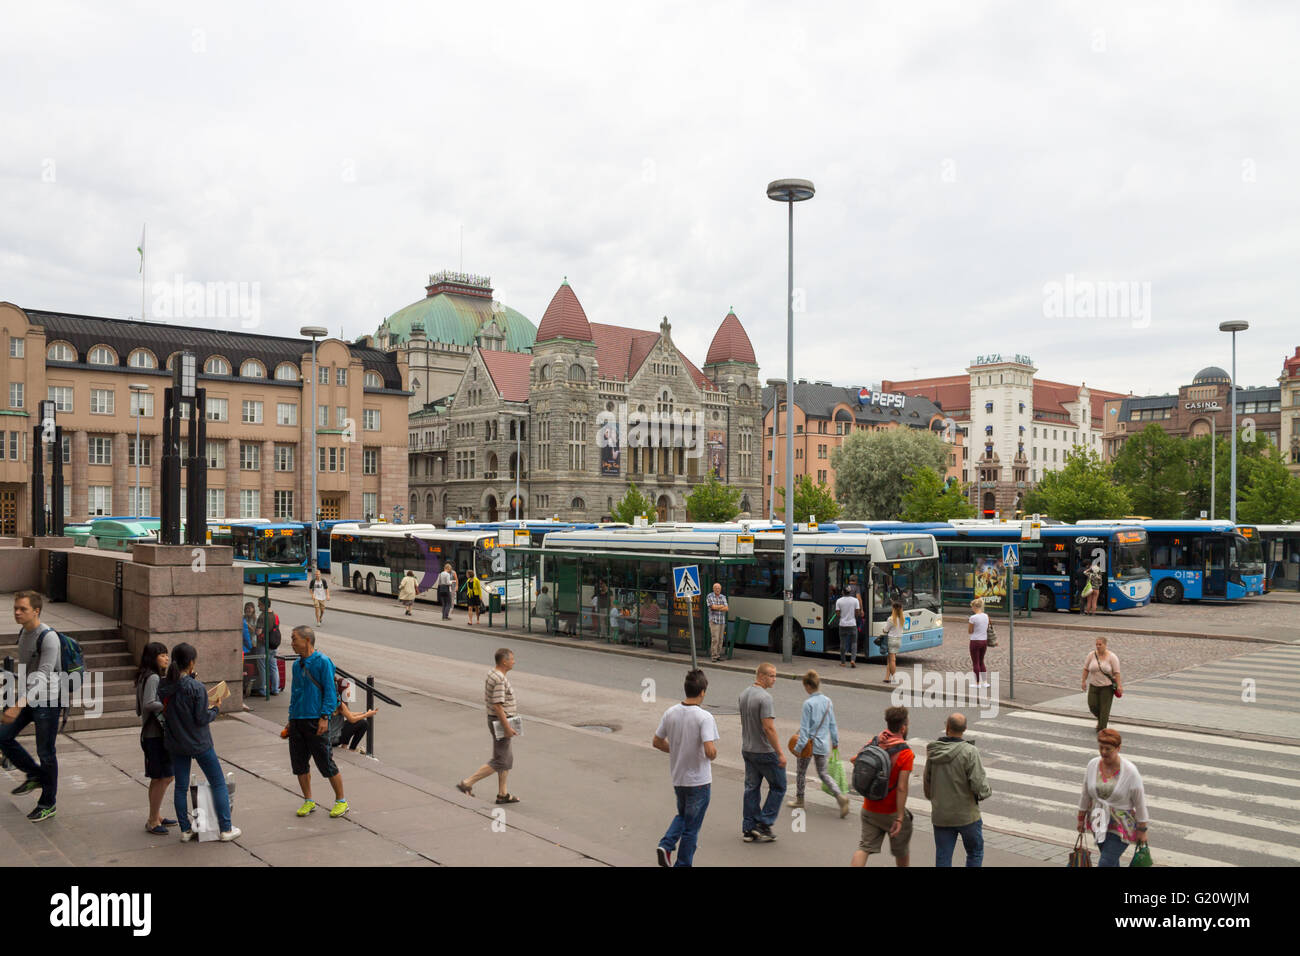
867 396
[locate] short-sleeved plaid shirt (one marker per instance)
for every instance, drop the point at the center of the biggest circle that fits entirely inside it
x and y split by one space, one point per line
718 601
497 690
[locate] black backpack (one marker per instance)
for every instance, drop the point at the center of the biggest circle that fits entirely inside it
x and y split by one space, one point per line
872 767
273 640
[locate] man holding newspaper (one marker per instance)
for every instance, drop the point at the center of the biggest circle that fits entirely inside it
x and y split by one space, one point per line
503 724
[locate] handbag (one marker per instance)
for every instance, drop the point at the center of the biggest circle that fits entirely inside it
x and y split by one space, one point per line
1081 855
835 769
807 748
1142 856
992 636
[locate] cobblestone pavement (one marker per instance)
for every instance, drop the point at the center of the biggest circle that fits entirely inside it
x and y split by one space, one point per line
1273 618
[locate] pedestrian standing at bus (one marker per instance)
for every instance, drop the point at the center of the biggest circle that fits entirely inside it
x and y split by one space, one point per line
817 725
446 589
1092 589
717 605
894 640
473 598
688 734
407 590
847 607
764 760
1101 679
320 593
856 590
978 628
1113 804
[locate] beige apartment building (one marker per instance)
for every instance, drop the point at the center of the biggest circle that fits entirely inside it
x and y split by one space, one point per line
257 412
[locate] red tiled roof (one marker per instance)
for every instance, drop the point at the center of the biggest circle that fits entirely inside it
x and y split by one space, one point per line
620 352
730 343
564 318
1052 396
509 371
952 392
1291 366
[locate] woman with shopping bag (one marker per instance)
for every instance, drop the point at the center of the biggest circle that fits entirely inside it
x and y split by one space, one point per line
818 739
1113 805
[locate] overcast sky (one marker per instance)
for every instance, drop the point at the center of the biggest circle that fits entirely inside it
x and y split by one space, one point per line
980 167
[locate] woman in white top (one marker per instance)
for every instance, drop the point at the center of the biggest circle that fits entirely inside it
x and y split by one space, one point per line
1113 805
978 629
894 638
1101 679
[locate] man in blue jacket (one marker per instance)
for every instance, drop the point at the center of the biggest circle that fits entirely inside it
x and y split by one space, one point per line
312 699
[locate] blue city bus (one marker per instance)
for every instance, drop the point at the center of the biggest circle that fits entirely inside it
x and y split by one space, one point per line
259 543
1051 575
1199 560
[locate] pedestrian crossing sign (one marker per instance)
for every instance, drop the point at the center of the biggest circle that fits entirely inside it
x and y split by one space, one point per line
1011 555
686 580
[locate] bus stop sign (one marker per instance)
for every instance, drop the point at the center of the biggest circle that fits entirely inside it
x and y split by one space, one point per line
1011 555
686 580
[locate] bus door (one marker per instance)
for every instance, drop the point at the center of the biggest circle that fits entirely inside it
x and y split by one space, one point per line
1216 563
1084 554
843 577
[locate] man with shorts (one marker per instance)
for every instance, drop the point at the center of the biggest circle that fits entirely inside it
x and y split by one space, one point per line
501 706
312 698
320 593
890 815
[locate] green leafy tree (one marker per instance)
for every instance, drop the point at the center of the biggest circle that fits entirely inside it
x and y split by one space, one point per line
929 498
1251 455
713 501
1084 488
633 505
1152 468
810 500
872 468
1274 494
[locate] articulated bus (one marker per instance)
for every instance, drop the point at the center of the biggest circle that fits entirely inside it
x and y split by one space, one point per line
1281 556
1198 560
374 558
636 565
1051 575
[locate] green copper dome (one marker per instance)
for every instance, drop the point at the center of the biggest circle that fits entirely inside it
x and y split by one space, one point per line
457 308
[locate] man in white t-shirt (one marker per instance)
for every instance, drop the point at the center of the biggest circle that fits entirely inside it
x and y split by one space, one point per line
320 593
847 608
688 734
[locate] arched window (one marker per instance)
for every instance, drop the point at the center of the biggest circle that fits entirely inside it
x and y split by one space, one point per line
544 373
216 365
252 368
428 506
286 372
743 392
578 504
61 352
168 364
373 380
577 373
142 358
102 355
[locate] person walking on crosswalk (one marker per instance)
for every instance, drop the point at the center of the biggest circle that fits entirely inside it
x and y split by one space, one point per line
1102 681
955 783
1113 804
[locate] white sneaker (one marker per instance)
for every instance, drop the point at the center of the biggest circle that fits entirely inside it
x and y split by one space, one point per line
233 833
188 835
984 683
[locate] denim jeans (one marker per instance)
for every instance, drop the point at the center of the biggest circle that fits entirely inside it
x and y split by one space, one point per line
760 767
848 643
692 802
47 732
259 662
1111 849
972 839
211 768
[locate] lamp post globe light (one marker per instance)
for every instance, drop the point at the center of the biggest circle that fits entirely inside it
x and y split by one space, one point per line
313 332
789 191
1234 326
138 389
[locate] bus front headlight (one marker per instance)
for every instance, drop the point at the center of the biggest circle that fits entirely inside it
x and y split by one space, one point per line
938 620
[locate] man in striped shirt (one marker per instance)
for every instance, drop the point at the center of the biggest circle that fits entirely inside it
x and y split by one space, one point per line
499 697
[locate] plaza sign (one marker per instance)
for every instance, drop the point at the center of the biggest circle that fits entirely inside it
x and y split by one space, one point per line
997 359
884 399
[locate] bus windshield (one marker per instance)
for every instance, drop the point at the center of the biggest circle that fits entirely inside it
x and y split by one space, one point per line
1132 560
915 584
284 548
1250 555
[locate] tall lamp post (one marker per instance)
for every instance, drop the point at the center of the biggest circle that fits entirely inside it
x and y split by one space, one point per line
1234 326
313 332
789 191
138 391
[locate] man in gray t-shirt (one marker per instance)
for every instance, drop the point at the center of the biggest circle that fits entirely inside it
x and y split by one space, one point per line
763 757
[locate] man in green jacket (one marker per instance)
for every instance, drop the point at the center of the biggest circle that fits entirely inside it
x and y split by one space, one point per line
954 784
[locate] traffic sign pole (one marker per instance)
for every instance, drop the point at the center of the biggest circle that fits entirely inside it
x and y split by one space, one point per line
1011 561
686 581
691 618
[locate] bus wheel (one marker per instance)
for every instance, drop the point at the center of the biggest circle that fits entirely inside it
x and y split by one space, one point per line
776 633
371 588
1046 599
1170 591
356 580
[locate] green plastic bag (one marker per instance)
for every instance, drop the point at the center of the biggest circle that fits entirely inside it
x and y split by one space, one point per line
1142 856
835 767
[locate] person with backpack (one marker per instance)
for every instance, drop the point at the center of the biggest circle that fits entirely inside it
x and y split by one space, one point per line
312 699
40 650
954 782
1091 589
187 710
157 761
817 728
272 639
320 593
880 773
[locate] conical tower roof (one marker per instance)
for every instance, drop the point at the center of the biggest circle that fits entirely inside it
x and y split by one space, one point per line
730 343
564 317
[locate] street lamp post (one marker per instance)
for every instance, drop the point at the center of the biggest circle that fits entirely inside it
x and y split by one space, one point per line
1213 441
1234 326
789 191
138 389
313 332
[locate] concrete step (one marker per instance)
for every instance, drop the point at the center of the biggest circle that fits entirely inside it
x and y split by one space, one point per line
102 645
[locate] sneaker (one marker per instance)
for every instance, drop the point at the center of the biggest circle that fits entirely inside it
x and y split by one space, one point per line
41 813
27 786
749 836
234 833
795 803
665 856
307 807
340 807
844 805
188 835
765 834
